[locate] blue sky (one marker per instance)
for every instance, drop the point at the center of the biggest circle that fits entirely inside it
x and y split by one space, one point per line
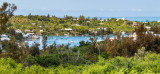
92 8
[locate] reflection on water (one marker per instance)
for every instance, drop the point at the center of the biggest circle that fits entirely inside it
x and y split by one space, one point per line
59 40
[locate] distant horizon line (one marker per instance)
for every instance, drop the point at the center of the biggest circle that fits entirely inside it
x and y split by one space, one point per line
96 16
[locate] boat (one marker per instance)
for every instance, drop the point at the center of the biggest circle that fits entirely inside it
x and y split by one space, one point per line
72 41
4 37
123 32
35 37
67 36
99 40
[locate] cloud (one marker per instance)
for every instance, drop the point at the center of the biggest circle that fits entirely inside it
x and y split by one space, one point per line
137 10
45 9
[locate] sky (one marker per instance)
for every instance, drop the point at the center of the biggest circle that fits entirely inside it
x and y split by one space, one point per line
91 8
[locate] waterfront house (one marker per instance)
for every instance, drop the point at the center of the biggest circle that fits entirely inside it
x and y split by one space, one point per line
134 35
31 36
18 31
28 35
4 37
26 31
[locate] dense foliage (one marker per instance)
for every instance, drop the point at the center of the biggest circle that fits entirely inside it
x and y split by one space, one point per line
148 64
52 25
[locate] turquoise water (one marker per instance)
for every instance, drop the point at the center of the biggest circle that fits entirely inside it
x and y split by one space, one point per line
140 19
74 40
59 40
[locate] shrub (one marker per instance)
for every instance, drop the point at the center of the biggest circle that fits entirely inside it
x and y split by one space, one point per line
141 53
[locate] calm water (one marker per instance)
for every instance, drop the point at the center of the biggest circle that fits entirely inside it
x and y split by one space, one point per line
140 19
73 40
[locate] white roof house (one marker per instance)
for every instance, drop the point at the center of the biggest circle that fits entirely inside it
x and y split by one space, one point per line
135 24
123 18
101 23
101 20
68 29
28 34
18 31
4 37
102 28
27 30
33 23
148 27
40 30
77 25
75 19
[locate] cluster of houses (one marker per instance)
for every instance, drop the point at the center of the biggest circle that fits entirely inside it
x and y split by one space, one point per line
28 34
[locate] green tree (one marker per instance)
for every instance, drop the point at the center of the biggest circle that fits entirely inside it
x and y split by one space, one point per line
6 12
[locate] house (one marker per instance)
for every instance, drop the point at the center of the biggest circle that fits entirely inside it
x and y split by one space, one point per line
134 35
27 30
148 28
102 28
101 20
77 25
121 19
68 29
28 35
135 24
101 23
4 37
95 32
40 30
157 35
18 31
75 19
33 23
